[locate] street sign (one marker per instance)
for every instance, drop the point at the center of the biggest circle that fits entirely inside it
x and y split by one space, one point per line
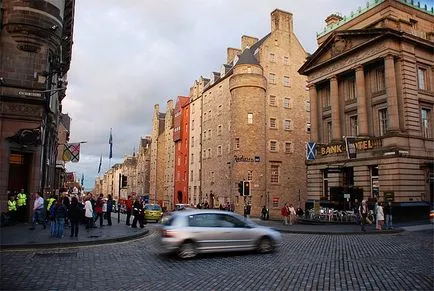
347 196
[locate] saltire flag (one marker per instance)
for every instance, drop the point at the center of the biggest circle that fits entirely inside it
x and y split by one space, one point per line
111 144
82 179
310 150
351 147
71 152
100 163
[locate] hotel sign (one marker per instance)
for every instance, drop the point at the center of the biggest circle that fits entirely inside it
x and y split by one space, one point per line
359 144
241 159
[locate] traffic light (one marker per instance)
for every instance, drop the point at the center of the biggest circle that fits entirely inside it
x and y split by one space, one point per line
240 187
246 188
124 182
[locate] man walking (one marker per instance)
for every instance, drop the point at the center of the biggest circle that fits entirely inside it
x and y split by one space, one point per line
388 214
363 214
38 211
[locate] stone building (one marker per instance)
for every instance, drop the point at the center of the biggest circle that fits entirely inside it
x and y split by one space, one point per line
255 123
181 139
35 55
143 166
372 96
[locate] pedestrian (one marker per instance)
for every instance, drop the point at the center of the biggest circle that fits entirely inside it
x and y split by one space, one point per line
299 212
363 210
264 213
38 211
356 210
21 206
74 215
129 209
50 202
109 209
138 213
12 209
99 209
375 213
388 214
285 213
60 213
380 216
88 212
292 214
67 203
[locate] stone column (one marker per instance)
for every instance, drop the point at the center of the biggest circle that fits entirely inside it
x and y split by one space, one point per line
314 128
334 99
362 117
392 94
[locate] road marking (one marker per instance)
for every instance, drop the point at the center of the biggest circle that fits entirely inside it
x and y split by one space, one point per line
419 227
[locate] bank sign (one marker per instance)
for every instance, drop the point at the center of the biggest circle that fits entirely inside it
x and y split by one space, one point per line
351 146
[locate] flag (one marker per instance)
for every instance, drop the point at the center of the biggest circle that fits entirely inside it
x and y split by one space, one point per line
350 144
100 163
111 144
310 150
82 179
71 152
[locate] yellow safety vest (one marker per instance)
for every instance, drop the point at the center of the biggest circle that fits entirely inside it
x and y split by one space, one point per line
12 205
50 202
21 199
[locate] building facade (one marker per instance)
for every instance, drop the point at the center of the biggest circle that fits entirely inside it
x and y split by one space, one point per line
35 55
181 139
372 96
255 123
143 166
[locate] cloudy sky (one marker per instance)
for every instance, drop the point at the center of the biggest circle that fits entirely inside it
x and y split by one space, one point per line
132 54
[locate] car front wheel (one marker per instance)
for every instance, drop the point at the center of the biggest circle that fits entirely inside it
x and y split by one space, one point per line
187 250
265 245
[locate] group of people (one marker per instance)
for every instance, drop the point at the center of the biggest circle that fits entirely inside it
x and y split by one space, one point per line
382 215
289 213
134 206
17 207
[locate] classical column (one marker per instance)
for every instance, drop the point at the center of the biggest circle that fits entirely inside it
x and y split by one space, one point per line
334 99
392 94
314 128
362 117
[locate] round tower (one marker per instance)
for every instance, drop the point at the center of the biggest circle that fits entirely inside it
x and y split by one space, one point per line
248 88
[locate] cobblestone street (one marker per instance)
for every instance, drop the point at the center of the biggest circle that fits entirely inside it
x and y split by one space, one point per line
402 261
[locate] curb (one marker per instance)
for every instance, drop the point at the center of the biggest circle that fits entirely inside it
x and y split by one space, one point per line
72 244
383 232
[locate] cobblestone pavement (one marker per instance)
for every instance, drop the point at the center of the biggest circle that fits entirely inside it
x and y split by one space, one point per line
401 261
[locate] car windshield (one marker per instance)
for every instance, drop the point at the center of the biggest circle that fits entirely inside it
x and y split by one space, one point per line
153 207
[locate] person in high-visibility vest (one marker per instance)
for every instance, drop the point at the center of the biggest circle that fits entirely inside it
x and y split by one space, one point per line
50 202
22 206
12 208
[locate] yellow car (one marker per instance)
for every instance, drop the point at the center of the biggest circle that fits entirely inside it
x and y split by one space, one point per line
153 212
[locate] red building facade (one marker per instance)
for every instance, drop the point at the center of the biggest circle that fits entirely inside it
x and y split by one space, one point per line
180 138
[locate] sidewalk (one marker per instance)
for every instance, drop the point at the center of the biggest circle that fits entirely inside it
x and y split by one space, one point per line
19 235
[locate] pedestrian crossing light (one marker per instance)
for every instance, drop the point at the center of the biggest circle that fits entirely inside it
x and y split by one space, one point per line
240 187
246 188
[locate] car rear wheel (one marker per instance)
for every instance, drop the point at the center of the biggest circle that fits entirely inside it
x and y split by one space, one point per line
265 245
187 250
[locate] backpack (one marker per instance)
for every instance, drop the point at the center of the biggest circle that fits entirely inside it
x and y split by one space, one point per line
52 209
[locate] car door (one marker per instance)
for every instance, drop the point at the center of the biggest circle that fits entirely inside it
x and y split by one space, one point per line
236 234
205 231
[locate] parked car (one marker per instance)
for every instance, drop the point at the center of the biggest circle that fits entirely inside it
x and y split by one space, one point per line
188 233
153 212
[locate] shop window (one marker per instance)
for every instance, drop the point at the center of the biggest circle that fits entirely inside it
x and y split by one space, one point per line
383 121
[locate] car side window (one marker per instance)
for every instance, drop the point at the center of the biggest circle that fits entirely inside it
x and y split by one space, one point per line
230 221
203 220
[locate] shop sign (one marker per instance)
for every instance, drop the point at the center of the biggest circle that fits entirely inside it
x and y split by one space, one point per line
243 159
358 144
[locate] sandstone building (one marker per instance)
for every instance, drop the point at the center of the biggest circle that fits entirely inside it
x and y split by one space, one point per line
35 55
250 122
372 96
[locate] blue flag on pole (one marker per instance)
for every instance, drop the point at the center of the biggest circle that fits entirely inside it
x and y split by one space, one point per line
100 163
111 144
82 179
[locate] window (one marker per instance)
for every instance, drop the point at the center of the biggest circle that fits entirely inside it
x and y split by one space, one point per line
377 80
192 159
272 57
287 103
204 154
426 123
219 150
349 89
289 147
324 96
285 60
209 153
204 135
273 123
249 175
272 78
192 141
191 175
249 118
219 111
328 131
274 177
179 161
307 104
219 130
209 115
288 124
209 134
273 146
237 143
422 78
272 100
192 124
353 129
286 81
383 121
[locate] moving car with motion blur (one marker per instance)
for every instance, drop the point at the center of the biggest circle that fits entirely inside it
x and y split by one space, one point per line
153 212
188 233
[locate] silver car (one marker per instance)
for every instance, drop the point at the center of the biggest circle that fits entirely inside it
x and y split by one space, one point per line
188 233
